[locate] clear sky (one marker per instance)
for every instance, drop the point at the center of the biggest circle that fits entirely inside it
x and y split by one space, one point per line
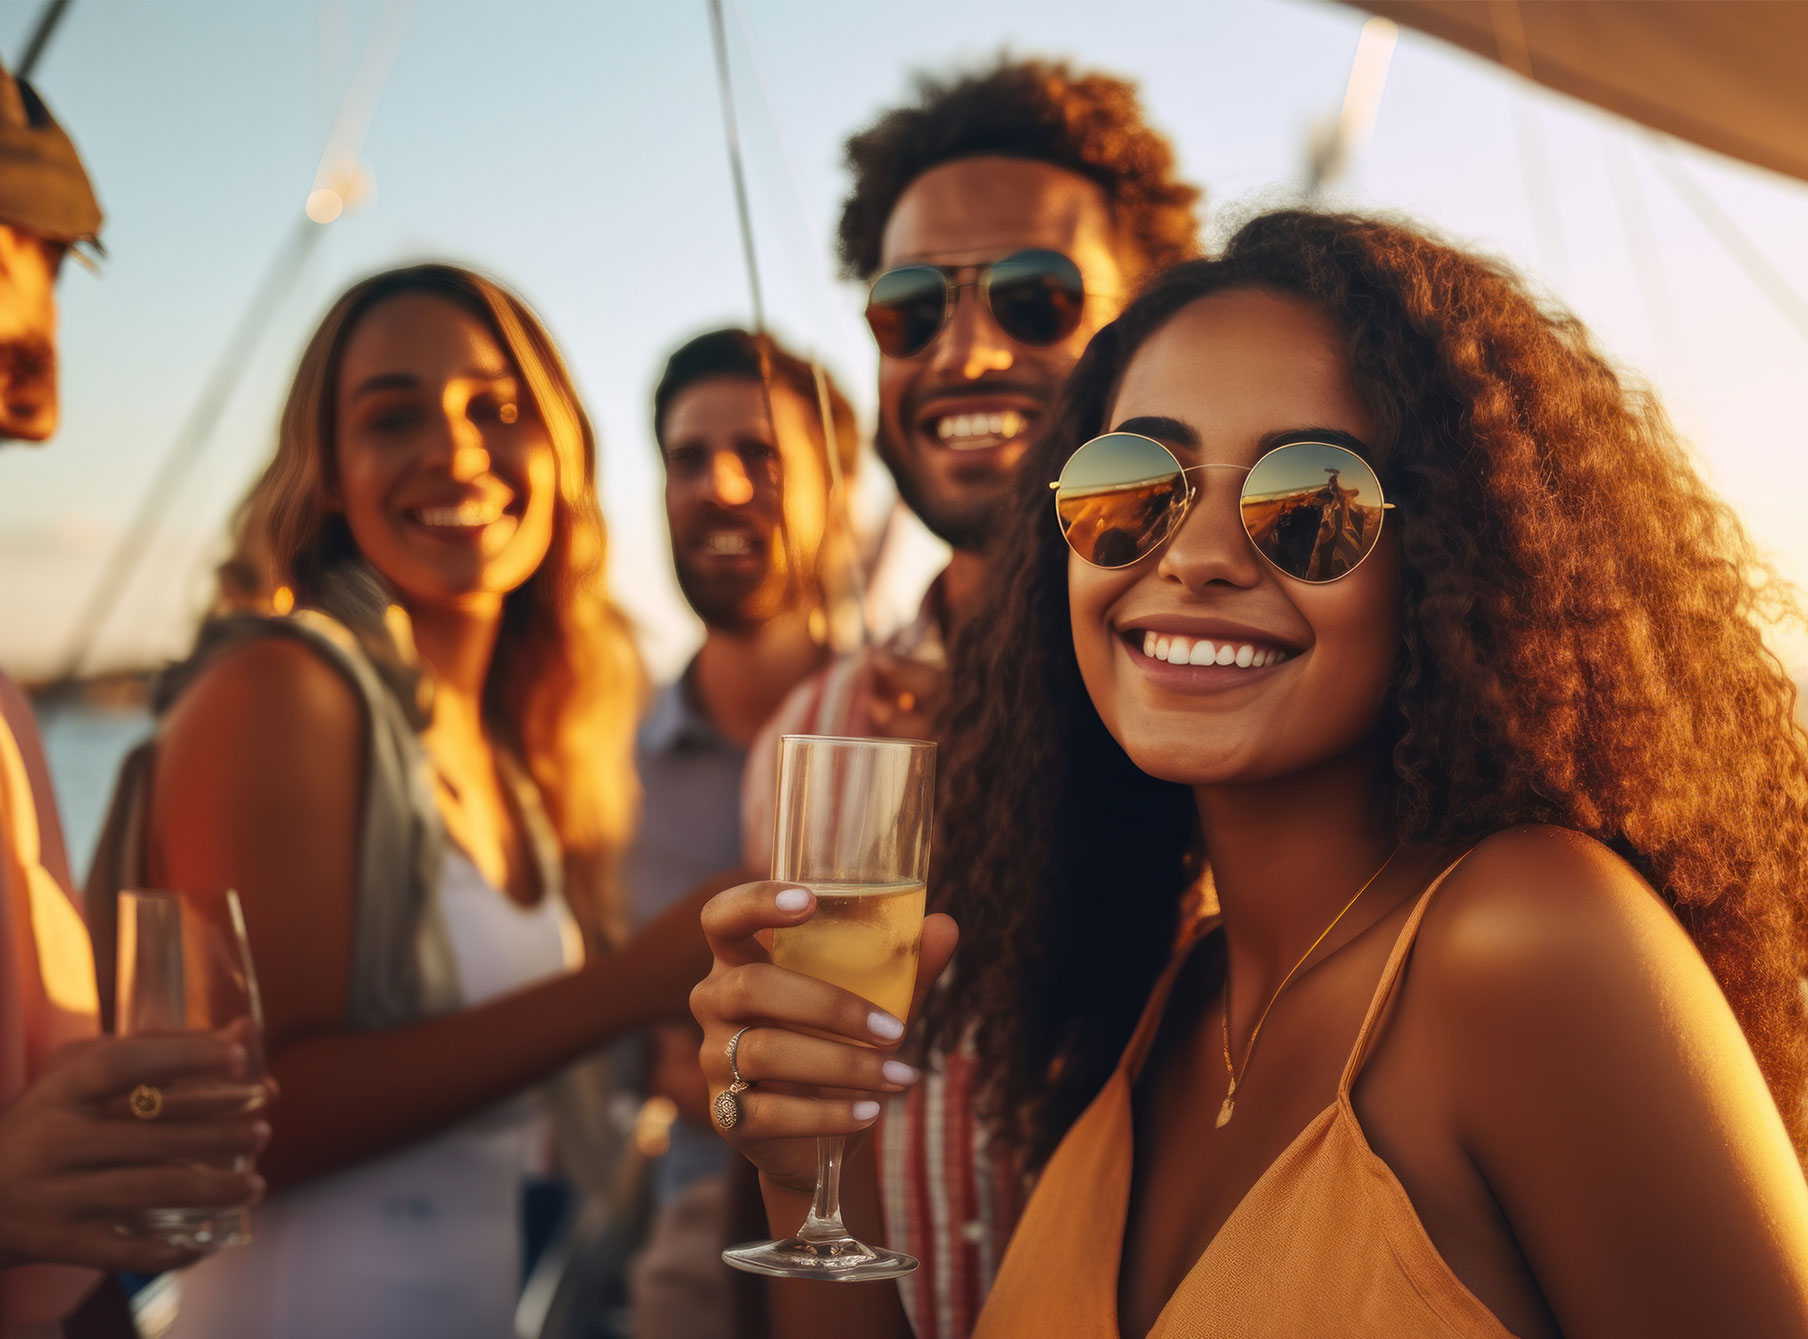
575 150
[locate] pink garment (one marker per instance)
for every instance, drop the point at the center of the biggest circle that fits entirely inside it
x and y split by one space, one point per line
47 996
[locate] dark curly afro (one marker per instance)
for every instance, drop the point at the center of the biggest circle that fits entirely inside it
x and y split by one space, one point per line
1091 124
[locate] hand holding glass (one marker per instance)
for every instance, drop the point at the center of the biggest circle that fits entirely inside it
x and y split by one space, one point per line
854 818
185 966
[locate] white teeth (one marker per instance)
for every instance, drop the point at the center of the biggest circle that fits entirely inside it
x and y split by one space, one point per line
466 515
967 431
1179 650
728 542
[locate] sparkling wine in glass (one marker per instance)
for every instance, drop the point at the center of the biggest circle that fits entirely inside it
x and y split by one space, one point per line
185 966
854 818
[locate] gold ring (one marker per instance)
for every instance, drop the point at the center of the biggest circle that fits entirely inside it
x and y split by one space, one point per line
907 701
146 1101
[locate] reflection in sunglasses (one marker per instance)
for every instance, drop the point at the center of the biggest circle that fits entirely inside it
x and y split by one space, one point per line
1122 495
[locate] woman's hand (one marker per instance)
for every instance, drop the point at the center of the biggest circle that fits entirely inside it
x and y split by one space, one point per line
818 1057
76 1169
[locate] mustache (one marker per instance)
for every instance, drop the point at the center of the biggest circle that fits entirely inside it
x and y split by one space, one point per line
709 516
25 359
911 406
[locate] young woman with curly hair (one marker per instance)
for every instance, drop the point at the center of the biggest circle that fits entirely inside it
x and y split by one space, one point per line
1428 667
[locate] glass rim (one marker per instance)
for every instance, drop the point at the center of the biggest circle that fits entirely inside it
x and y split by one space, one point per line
914 745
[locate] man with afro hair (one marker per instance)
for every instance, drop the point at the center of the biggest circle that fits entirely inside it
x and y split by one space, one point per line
1001 218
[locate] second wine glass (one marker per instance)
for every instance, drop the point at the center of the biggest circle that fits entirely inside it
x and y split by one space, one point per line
185 966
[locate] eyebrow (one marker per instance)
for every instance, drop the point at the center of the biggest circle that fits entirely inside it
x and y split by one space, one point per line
1179 433
407 381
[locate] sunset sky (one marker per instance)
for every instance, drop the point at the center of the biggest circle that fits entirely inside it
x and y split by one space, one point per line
576 151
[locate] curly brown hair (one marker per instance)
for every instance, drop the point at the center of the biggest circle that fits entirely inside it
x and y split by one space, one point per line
1582 646
1091 124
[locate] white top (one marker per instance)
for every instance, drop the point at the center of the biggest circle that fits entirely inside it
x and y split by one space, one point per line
425 1241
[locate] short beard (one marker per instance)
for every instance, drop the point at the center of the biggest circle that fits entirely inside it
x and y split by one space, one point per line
740 612
27 363
967 529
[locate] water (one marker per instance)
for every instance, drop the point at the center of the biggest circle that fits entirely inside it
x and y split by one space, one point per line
85 746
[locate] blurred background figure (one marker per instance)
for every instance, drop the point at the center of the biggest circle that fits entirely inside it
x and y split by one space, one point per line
74 1166
758 542
1001 219
406 743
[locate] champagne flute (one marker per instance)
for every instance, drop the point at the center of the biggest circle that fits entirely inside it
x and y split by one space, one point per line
854 818
185 966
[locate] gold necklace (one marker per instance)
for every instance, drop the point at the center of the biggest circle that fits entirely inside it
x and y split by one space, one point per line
1236 1072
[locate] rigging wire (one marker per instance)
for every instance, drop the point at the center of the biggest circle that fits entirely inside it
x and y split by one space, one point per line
196 431
1331 149
185 449
1547 221
48 20
1734 240
838 493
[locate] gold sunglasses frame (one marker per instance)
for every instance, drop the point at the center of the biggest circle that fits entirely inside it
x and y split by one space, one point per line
1186 508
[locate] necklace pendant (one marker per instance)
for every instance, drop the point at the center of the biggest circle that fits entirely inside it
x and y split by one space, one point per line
1230 1105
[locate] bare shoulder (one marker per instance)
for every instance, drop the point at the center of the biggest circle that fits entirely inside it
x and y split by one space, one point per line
1532 907
274 697
1547 959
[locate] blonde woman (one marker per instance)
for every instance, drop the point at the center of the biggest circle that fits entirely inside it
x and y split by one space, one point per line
406 744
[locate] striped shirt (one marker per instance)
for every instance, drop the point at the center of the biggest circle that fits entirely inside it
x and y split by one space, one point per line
948 1199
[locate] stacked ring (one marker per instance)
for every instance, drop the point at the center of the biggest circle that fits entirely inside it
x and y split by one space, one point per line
727 1106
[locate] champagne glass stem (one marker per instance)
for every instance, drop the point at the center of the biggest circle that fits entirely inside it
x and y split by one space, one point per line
824 1222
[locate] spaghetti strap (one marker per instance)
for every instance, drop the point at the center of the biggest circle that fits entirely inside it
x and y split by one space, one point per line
1390 977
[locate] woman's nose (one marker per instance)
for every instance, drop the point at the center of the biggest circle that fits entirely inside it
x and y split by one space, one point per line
1210 545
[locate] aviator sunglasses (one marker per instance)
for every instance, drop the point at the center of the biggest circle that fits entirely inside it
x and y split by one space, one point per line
1036 298
1313 510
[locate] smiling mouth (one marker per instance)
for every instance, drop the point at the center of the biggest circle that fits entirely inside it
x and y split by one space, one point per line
728 544
977 432
477 514
1177 649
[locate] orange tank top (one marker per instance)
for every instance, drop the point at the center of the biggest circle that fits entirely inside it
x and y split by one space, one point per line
1325 1242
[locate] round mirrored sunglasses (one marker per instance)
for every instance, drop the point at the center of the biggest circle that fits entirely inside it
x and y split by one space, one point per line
1313 510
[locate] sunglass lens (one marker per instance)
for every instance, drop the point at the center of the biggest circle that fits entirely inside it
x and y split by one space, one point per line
1312 509
1036 296
905 309
1118 498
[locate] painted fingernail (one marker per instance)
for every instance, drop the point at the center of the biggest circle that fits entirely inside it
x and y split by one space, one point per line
865 1111
793 899
896 1071
883 1025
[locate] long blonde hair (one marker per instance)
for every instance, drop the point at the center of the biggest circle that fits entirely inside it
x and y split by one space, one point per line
565 684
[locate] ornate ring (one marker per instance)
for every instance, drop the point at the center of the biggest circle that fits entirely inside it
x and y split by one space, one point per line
146 1101
733 1050
727 1106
